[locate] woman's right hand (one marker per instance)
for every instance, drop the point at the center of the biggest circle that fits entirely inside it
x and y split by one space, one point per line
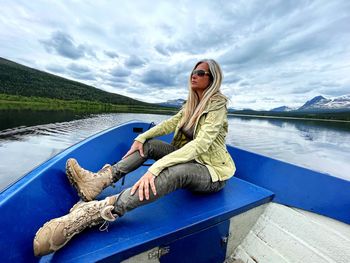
136 146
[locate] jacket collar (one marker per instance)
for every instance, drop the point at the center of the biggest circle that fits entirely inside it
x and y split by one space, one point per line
215 103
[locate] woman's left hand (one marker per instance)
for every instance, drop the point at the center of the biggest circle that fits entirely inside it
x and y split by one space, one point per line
145 182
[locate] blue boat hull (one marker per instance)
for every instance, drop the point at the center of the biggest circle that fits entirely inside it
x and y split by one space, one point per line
45 193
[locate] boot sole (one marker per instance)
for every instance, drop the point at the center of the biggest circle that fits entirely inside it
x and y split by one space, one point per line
71 174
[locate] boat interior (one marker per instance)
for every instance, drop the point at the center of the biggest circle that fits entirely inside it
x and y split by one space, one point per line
270 211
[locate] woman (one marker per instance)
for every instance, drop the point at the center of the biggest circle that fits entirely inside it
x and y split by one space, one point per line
196 159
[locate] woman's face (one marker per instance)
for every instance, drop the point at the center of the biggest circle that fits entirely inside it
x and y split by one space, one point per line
200 82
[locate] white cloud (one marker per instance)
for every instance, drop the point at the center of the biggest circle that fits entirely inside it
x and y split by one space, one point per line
272 53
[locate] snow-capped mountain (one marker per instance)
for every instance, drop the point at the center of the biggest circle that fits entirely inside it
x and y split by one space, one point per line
173 103
318 103
322 103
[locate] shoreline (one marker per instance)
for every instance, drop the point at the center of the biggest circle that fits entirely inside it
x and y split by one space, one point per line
285 117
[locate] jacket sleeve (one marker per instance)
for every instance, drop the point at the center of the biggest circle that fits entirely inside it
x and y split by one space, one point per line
208 132
162 128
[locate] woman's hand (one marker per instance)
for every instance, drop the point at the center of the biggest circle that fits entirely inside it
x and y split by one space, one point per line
136 146
143 185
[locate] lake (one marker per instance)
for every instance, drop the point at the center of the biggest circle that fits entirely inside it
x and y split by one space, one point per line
318 145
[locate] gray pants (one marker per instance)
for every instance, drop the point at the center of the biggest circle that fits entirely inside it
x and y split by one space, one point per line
192 176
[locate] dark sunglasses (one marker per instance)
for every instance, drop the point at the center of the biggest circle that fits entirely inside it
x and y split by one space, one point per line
200 73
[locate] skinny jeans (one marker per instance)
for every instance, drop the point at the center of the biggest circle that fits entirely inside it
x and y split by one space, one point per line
191 175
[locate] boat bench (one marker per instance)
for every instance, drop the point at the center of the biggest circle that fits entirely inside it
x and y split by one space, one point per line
181 223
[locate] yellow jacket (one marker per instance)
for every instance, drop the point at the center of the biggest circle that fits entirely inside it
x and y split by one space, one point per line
207 147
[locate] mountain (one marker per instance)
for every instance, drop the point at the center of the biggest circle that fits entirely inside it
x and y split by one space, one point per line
177 103
313 103
17 79
320 103
231 110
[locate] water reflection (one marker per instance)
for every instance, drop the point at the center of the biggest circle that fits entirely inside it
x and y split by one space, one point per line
339 126
16 118
317 145
23 148
276 122
320 146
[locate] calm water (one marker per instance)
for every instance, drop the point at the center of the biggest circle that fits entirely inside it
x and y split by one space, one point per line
321 146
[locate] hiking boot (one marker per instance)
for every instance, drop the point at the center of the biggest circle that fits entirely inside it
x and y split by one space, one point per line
88 184
57 232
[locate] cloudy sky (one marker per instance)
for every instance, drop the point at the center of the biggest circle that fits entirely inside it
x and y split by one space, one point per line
273 53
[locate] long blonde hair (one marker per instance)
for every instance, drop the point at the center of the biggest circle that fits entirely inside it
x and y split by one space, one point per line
194 107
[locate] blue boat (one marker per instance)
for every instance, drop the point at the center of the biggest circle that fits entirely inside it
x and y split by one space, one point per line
270 211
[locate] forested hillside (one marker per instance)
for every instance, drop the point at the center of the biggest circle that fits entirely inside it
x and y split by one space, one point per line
20 80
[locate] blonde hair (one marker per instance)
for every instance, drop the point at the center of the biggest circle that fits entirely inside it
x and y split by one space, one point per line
194 107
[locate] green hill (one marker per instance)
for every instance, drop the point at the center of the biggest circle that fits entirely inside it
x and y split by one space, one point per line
16 79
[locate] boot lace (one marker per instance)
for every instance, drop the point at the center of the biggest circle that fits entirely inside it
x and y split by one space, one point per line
104 226
87 216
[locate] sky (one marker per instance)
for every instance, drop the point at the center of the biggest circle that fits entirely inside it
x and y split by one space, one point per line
272 53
